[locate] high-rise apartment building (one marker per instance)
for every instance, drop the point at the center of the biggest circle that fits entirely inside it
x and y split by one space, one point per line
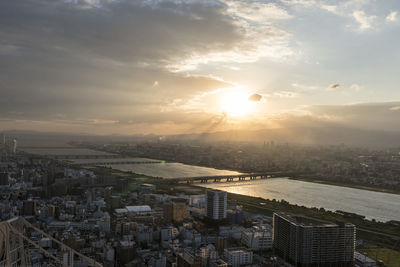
216 202
3 139
14 147
309 245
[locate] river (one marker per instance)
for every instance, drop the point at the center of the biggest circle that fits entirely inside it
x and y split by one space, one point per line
373 205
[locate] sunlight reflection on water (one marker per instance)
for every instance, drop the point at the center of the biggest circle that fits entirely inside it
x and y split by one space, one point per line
374 205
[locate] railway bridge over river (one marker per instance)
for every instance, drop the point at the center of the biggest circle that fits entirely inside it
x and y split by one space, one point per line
231 177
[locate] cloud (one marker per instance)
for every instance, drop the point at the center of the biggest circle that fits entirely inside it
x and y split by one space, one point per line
261 38
355 87
257 12
255 97
285 94
334 86
392 17
304 87
365 21
341 8
103 60
347 9
7 49
395 108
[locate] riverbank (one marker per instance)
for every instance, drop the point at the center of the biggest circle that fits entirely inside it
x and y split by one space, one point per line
345 184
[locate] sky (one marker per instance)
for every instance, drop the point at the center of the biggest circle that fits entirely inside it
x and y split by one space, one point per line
189 66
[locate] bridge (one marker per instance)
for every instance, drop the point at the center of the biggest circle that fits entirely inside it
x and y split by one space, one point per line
49 147
231 178
97 163
99 156
98 185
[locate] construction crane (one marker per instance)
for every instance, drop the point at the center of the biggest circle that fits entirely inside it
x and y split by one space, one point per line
16 247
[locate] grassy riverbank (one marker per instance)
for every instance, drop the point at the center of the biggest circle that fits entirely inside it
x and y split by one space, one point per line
388 256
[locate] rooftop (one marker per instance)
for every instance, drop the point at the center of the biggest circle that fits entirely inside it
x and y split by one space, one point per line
300 221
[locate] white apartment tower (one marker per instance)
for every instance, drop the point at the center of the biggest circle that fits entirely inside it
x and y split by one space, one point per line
14 150
216 202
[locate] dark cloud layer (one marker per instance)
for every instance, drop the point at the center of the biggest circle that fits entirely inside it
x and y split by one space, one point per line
71 60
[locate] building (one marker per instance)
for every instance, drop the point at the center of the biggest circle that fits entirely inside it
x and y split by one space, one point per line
219 263
4 179
176 210
126 251
216 203
208 255
168 233
221 243
307 245
104 222
29 208
14 147
144 234
238 256
257 238
362 260
188 259
147 188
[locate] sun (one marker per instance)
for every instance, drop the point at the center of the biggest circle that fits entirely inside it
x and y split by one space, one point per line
236 104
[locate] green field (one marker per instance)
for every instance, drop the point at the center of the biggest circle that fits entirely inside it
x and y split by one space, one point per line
389 257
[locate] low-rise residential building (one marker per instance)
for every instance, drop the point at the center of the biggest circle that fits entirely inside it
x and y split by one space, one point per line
238 256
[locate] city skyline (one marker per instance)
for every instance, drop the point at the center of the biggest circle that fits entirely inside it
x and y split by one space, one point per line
177 67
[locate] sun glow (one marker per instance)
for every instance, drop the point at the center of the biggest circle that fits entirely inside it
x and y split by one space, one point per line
237 104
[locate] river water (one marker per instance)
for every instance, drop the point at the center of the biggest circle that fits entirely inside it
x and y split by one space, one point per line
373 205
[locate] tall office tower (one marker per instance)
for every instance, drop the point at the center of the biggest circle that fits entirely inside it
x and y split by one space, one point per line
306 245
14 150
216 202
3 139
